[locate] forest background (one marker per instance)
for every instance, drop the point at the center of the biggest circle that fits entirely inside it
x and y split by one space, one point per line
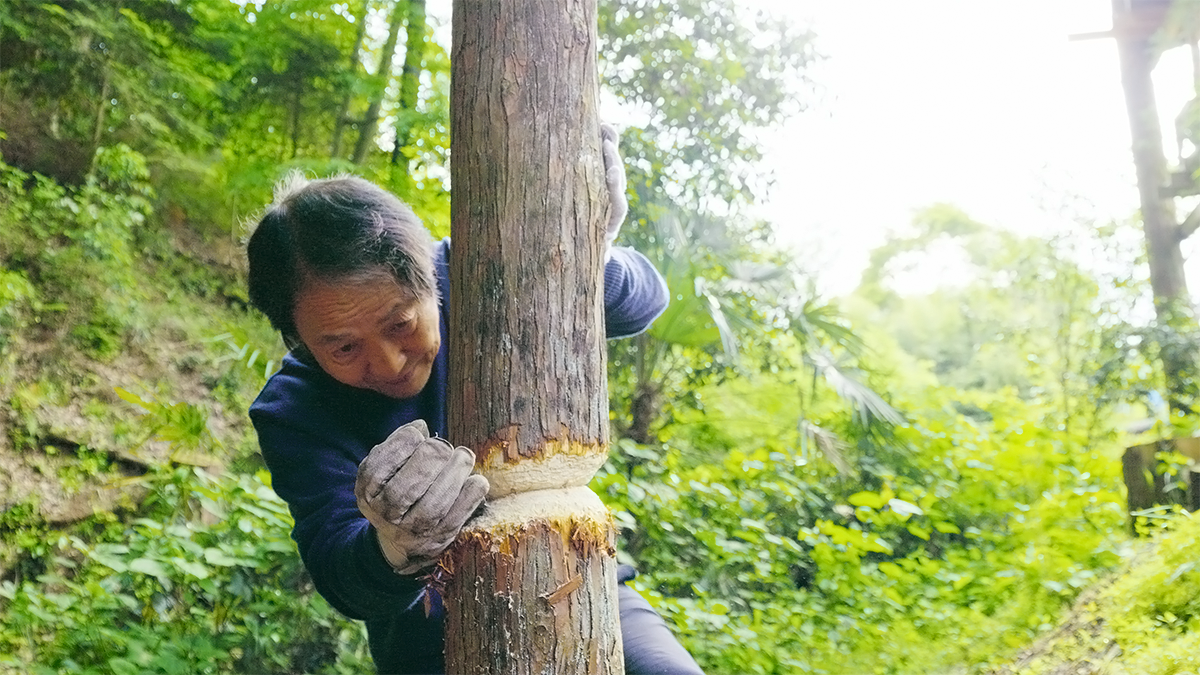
876 483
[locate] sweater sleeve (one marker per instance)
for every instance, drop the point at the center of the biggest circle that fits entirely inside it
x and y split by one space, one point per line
315 475
635 294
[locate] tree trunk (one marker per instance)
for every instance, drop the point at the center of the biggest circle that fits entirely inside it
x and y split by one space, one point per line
1158 210
532 585
1138 55
370 121
410 78
101 110
297 116
360 31
647 393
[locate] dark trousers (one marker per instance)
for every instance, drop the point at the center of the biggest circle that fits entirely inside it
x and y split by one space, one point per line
650 648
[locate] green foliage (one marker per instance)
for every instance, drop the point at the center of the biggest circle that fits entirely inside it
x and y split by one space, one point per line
1053 318
890 484
708 75
99 72
79 245
18 300
957 549
181 424
239 351
1145 620
204 580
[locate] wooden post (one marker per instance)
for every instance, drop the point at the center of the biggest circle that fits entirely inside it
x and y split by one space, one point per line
1146 486
532 582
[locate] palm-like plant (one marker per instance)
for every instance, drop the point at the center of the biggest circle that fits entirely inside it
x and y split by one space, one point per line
722 301
699 320
818 330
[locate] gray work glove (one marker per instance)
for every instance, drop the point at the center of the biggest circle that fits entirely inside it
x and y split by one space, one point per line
614 176
418 492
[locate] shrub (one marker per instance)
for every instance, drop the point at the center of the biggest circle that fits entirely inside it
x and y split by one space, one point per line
204 580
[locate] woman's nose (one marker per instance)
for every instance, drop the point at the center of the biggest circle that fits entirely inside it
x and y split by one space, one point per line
387 361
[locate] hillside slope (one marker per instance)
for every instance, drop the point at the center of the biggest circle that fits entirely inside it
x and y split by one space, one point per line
126 345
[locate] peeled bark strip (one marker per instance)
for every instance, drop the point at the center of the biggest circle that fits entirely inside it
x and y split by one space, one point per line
532 583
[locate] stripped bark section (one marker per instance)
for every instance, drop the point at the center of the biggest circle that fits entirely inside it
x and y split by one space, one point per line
536 601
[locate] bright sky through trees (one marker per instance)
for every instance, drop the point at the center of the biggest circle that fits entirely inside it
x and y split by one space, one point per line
983 104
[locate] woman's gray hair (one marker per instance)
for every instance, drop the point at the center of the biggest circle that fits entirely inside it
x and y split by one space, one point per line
339 229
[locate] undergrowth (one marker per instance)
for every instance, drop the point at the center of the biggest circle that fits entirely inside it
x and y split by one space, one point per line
1146 622
201 578
977 539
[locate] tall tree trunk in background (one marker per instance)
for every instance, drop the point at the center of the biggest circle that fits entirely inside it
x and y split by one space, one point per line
360 31
647 396
1138 55
532 582
410 78
101 110
297 116
370 120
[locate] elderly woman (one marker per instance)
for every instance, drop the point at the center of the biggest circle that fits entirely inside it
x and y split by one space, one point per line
352 280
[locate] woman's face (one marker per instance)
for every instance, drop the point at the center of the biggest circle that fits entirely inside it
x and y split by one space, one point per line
372 334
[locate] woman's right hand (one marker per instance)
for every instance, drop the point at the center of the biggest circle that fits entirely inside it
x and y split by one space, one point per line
418 492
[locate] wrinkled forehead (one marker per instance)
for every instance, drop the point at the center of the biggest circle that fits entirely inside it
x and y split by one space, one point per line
329 306
375 280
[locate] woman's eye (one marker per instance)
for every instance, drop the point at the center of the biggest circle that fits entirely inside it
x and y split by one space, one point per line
344 350
402 326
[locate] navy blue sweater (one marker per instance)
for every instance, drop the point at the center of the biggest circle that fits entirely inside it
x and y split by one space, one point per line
314 431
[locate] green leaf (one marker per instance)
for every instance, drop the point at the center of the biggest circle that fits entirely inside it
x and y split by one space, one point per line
904 508
892 570
872 500
946 527
121 666
192 568
918 531
148 566
215 556
131 397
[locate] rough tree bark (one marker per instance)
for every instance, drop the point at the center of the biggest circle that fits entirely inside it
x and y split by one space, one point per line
1137 57
532 583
